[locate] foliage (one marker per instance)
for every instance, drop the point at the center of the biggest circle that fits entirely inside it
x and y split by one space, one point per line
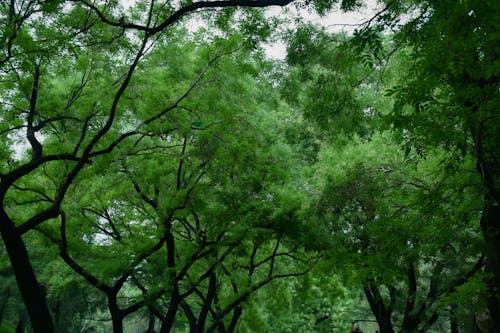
156 176
381 203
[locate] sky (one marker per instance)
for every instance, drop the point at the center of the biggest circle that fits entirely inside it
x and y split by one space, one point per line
335 21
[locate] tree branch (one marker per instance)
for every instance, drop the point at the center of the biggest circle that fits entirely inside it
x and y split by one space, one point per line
412 293
63 249
30 131
175 16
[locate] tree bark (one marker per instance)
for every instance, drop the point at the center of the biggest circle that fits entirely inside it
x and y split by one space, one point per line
488 166
490 225
189 315
116 314
175 297
234 320
151 324
212 287
20 324
31 291
168 322
454 326
409 320
378 308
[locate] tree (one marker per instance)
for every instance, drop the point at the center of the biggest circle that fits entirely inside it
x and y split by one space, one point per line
320 301
180 205
449 98
389 216
194 180
67 45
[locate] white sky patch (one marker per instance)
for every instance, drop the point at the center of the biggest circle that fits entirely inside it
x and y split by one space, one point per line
20 143
335 21
338 21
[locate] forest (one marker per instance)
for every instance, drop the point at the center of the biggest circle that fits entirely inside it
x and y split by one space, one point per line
160 172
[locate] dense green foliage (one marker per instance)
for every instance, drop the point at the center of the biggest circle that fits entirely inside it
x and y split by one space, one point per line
158 173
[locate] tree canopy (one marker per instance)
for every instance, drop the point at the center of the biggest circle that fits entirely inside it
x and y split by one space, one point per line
160 173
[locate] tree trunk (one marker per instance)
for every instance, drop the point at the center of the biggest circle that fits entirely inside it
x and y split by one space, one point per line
151 325
484 134
234 320
116 314
175 297
202 317
168 322
378 308
490 224
454 326
189 315
31 291
453 320
385 325
20 324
